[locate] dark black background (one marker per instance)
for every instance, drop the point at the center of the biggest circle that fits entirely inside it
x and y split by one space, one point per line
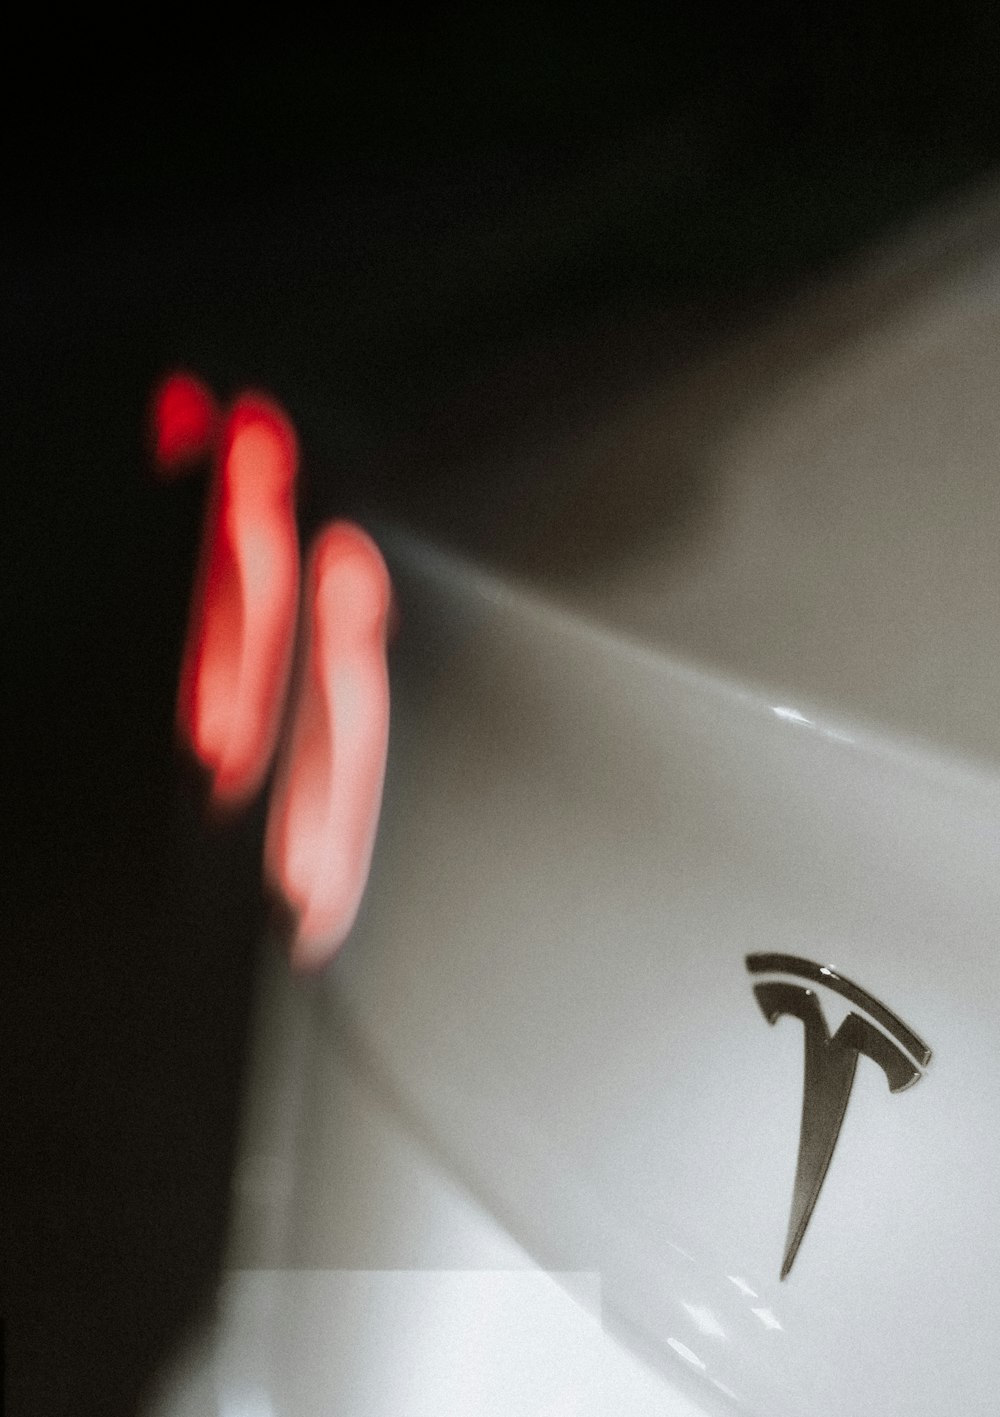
418 237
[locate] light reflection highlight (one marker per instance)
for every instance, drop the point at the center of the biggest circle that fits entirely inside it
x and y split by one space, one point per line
327 794
793 715
683 1351
767 1318
243 627
727 1391
705 1320
241 632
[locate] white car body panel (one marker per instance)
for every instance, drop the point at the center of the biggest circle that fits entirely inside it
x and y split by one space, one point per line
779 734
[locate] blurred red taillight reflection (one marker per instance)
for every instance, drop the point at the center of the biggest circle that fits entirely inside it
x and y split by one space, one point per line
326 798
242 626
327 794
184 422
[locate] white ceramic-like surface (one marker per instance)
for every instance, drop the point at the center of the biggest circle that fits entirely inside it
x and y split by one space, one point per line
779 732
582 841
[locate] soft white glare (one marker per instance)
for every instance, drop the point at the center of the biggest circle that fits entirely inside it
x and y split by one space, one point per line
727 1390
767 1318
794 715
685 1352
706 1320
790 715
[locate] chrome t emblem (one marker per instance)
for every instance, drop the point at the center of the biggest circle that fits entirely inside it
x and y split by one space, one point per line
830 1063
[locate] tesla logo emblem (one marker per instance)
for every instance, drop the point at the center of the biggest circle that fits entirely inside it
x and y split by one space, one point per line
830 1062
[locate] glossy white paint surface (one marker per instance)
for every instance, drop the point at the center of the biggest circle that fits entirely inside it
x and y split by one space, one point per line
781 733
364 1278
553 981
427 1343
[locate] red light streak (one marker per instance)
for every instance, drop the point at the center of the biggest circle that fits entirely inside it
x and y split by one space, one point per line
184 419
241 632
327 795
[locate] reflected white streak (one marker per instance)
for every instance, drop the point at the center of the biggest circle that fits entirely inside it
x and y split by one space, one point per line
767 1318
685 1352
705 1320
